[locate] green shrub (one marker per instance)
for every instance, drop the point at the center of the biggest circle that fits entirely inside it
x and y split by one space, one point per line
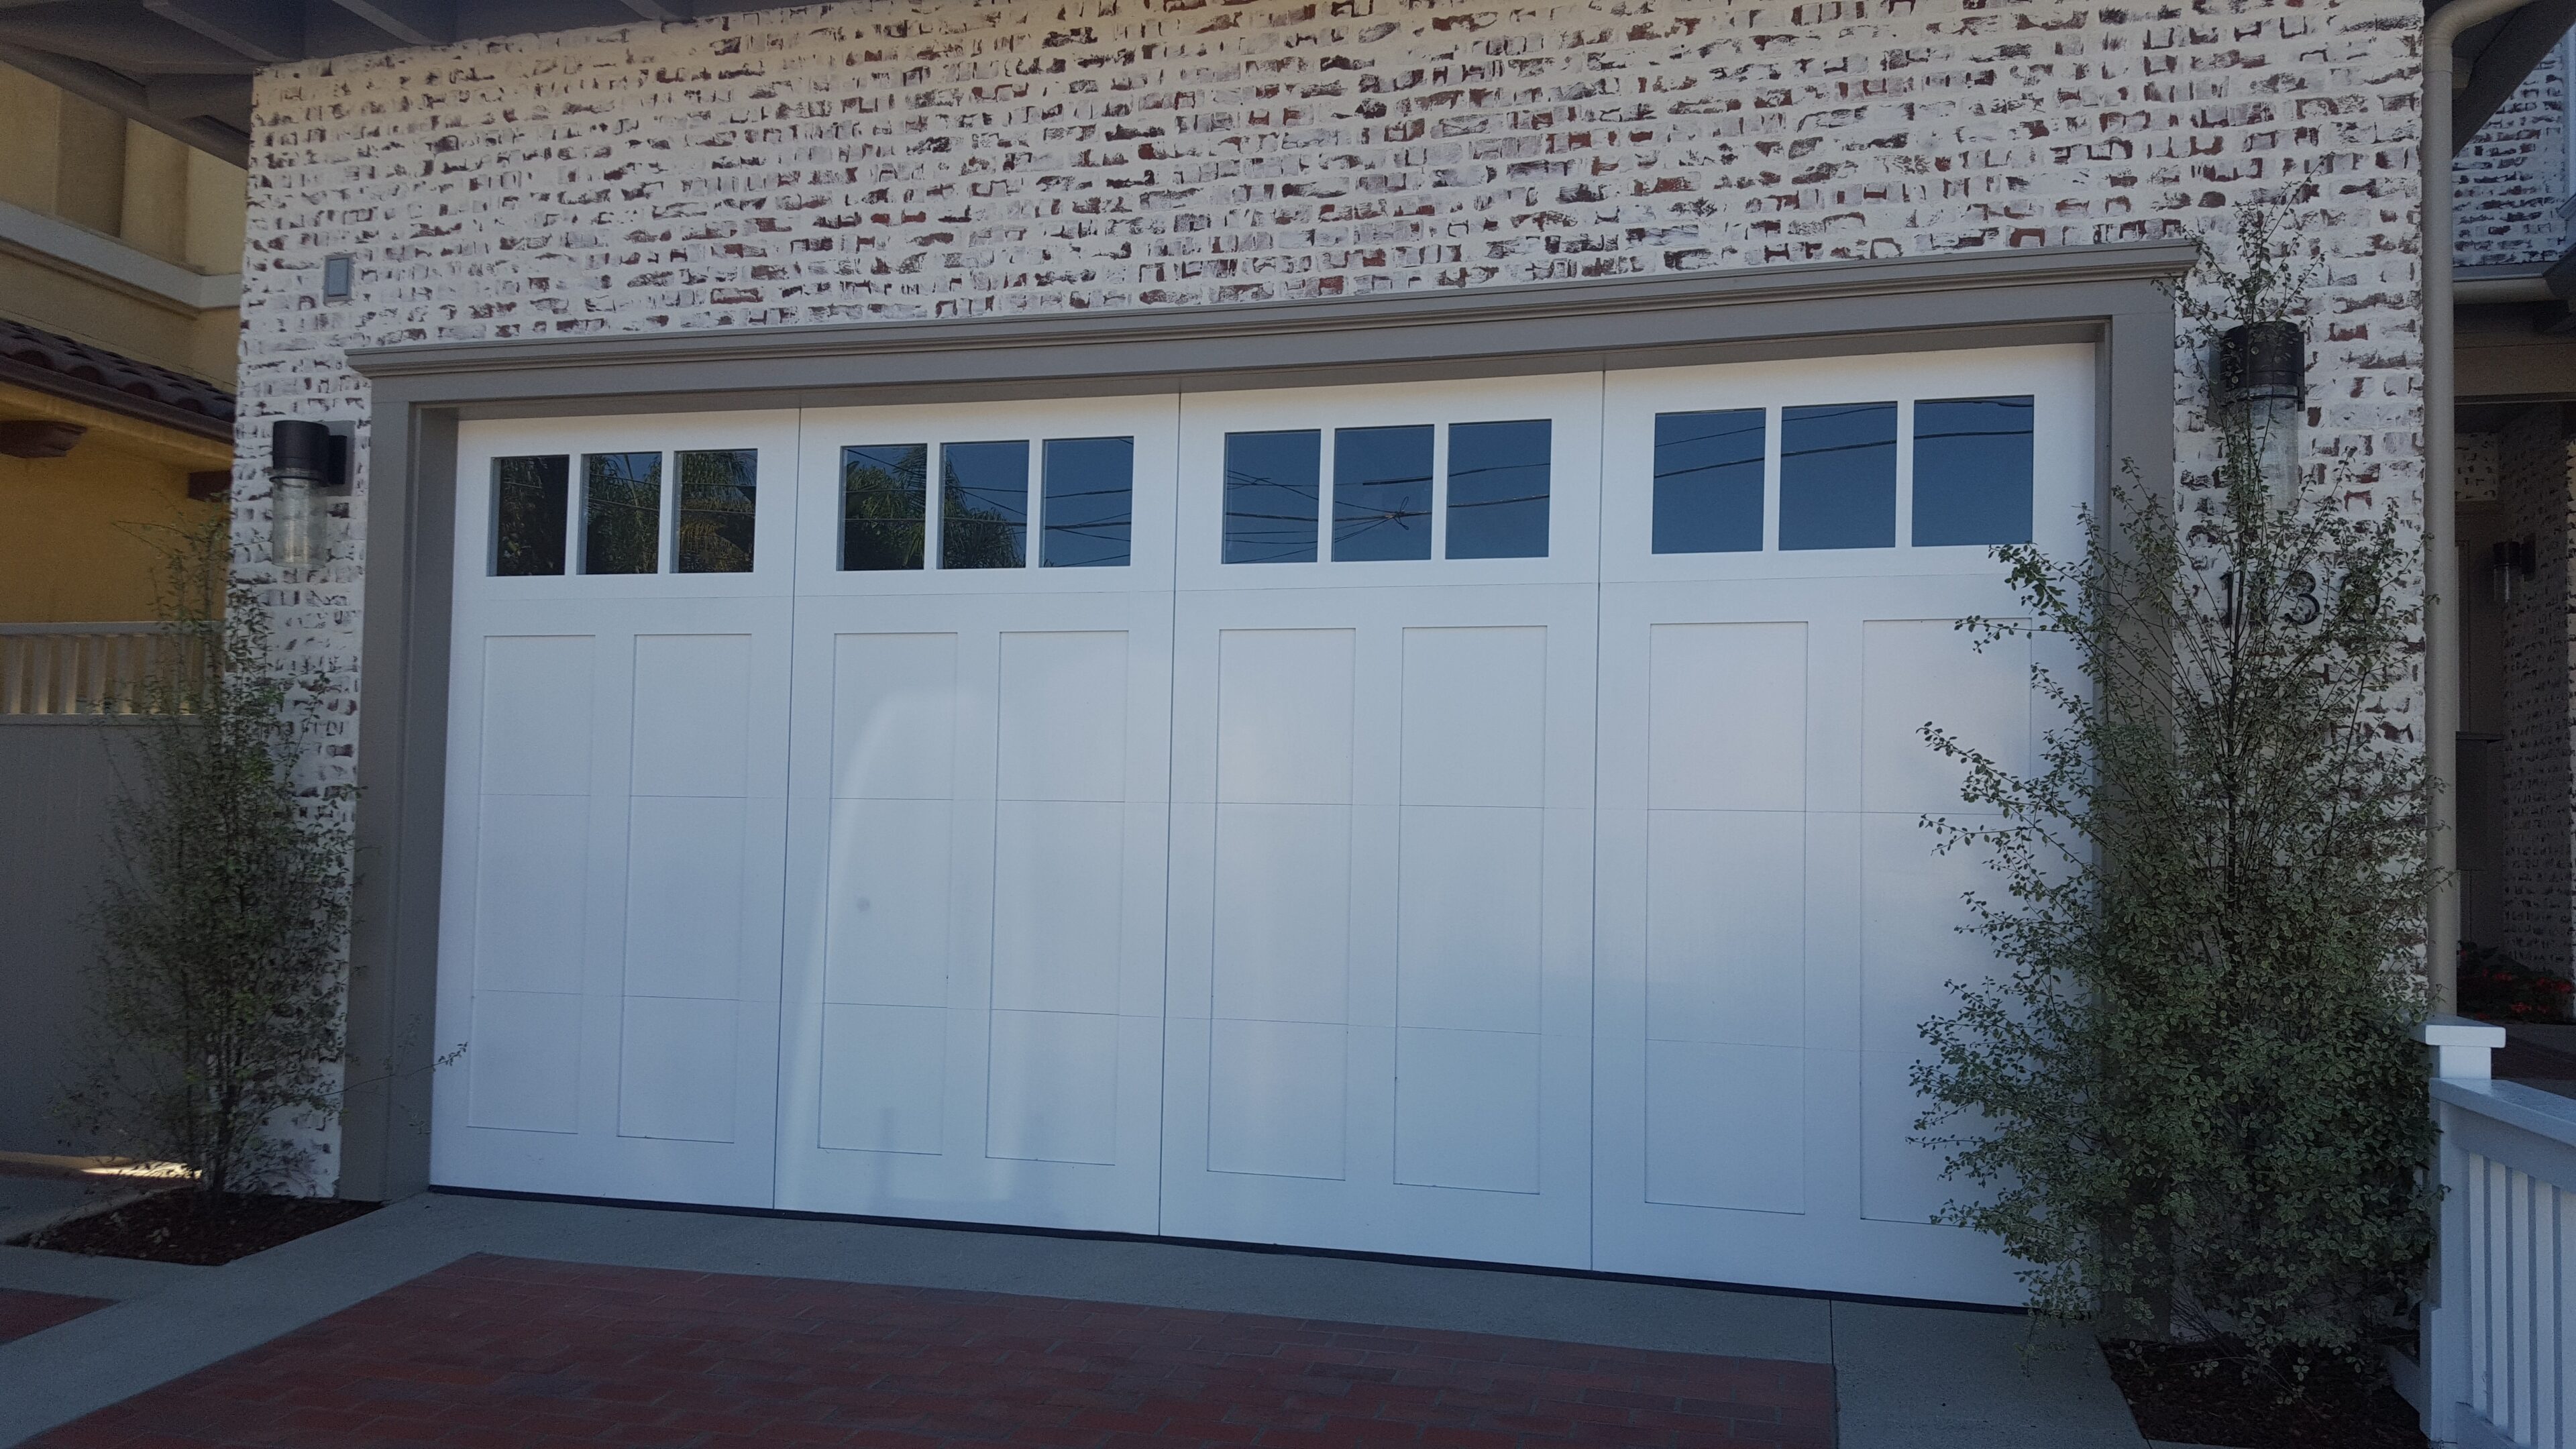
2191 1102
216 1031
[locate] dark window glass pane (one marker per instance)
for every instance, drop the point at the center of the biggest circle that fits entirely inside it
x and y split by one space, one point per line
1838 476
885 501
1972 470
1273 494
1382 492
1708 482
1498 477
717 493
621 513
983 505
1090 488
531 498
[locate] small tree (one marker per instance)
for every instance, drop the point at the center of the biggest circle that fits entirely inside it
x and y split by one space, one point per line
216 1000
2201 1110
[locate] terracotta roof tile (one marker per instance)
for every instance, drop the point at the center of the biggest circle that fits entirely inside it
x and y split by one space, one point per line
49 362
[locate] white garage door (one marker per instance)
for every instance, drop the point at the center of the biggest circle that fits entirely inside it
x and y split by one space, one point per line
1472 819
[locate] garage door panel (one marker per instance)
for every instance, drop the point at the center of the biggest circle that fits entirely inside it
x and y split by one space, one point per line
1282 913
884 1073
1775 924
1467 1109
1053 1087
1059 903
1063 716
531 883
677 1069
1469 945
894 716
1726 908
616 776
686 923
536 734
977 846
1726 1126
1278 1098
1726 716
1389 890
692 713
1284 702
1487 884
523 1073
1475 716
888 898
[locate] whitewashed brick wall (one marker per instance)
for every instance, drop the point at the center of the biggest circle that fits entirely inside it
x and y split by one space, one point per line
936 158
2513 174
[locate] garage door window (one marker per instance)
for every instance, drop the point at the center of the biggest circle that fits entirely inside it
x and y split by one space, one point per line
531 499
885 506
1271 493
983 505
1838 476
1708 481
719 494
1972 471
621 513
1382 493
1384 502
1089 506
1498 487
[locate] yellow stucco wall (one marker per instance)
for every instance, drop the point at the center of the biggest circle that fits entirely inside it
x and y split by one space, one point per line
75 543
75 531
74 161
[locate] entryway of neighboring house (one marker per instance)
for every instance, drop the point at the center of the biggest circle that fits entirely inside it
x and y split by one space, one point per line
1474 819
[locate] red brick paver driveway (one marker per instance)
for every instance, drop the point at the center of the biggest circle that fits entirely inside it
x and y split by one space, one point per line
23 1312
509 1351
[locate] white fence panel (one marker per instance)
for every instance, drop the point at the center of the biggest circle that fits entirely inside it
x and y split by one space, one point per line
2500 1329
60 669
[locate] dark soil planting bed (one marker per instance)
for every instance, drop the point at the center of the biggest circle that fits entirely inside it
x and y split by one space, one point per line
170 1227
2176 1402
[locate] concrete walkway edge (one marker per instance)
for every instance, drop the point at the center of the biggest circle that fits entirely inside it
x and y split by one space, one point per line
1907 1377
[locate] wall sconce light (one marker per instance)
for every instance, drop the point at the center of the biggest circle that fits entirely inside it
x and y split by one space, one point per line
2514 561
308 464
2263 369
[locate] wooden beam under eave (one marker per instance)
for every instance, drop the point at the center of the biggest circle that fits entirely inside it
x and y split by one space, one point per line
413 22
266 31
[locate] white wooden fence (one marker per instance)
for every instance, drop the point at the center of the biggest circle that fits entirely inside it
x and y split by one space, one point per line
89 669
2494 1366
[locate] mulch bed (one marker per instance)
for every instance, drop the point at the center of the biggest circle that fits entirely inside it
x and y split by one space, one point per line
167 1227
2175 1403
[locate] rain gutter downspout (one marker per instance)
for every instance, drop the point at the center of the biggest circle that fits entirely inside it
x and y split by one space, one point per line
2441 549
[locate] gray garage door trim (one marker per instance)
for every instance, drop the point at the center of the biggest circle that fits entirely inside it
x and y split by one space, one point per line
2115 296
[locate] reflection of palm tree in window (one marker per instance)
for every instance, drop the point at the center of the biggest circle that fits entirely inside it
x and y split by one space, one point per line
885 499
983 505
717 498
622 530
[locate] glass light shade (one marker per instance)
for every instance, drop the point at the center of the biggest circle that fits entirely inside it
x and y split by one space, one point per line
294 527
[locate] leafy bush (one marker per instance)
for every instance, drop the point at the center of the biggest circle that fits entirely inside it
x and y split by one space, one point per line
2191 1103
216 1027
2496 987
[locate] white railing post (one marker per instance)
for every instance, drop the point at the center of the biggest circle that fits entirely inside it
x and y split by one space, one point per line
2498 1331
2461 1053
